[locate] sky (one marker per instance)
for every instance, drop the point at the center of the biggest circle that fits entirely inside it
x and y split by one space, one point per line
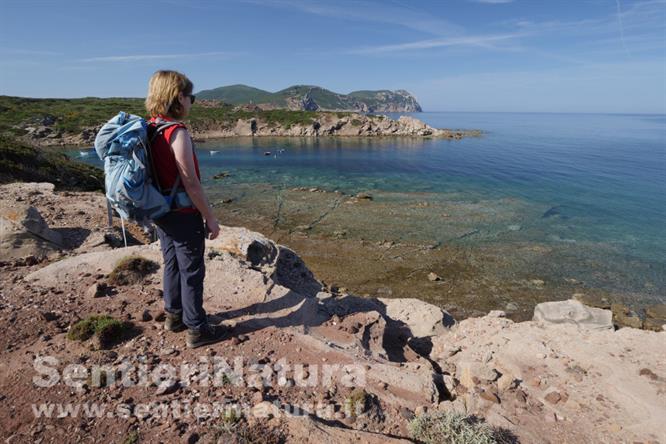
453 55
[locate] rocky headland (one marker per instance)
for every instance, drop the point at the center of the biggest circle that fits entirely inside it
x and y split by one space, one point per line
321 125
330 124
399 369
75 122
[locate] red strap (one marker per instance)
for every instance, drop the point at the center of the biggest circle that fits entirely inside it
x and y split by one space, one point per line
168 133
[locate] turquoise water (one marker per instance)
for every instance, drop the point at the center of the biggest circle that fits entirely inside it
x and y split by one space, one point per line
584 179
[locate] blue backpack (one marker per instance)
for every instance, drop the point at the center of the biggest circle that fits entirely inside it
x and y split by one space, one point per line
123 144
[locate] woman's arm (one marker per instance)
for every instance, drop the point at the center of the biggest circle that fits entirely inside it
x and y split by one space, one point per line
181 143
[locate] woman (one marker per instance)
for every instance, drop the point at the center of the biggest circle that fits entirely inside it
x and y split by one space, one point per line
182 231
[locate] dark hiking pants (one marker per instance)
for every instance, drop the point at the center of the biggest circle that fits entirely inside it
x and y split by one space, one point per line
182 238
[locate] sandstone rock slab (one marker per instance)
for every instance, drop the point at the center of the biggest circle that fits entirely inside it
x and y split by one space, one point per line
423 319
573 312
23 232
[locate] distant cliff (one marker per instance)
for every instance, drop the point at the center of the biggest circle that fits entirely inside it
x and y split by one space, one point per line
315 98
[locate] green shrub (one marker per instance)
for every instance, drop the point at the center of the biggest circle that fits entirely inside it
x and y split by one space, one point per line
131 270
107 329
72 116
357 402
231 416
451 428
20 162
131 438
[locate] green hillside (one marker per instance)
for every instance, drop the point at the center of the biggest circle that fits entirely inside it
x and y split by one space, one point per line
71 116
237 94
20 162
312 98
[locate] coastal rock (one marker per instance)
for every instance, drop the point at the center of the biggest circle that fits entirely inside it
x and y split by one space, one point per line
308 103
657 311
422 319
537 361
506 382
305 429
247 245
409 358
245 127
415 126
624 317
592 300
23 232
655 317
471 373
573 312
654 324
264 257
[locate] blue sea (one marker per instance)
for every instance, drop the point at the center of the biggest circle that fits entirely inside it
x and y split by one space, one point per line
596 182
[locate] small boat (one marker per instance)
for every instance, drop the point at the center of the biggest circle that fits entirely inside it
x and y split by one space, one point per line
84 153
213 152
267 153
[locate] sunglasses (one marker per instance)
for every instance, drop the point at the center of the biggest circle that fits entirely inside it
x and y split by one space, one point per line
192 97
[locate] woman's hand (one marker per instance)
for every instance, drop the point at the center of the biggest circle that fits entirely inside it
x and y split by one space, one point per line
213 228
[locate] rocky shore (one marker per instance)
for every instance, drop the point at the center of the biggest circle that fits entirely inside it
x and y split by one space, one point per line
396 367
324 125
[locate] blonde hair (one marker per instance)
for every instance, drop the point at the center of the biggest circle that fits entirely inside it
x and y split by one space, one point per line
163 90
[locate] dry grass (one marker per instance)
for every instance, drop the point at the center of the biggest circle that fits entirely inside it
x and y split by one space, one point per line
132 270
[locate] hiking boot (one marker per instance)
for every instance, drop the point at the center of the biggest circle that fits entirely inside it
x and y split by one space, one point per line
207 334
173 322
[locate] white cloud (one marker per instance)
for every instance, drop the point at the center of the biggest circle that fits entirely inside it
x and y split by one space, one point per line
406 15
484 41
143 57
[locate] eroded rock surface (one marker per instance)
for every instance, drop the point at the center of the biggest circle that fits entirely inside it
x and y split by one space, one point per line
573 312
564 377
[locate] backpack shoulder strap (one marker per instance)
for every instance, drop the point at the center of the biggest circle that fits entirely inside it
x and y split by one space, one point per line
160 126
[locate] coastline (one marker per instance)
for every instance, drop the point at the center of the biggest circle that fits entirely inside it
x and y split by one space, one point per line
531 380
323 125
331 232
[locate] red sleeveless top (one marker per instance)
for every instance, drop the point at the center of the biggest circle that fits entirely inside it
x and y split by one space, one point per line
164 161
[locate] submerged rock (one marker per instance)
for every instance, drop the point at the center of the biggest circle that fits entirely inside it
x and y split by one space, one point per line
624 317
657 311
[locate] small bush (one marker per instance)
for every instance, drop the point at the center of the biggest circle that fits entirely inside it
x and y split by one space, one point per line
453 428
231 416
132 270
357 402
132 438
107 329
